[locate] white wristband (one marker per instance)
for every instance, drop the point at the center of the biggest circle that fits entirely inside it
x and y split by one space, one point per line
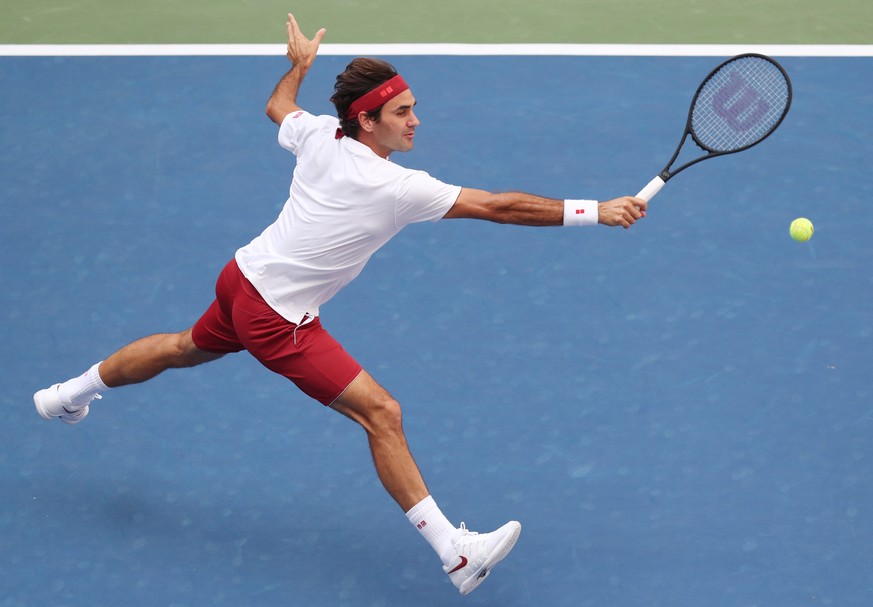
580 212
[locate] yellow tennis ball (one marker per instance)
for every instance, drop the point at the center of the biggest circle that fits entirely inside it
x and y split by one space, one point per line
801 229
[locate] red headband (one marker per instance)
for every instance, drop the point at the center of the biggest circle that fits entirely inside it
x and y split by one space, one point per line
378 96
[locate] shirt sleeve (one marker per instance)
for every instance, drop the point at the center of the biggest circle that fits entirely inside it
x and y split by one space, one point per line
299 127
423 198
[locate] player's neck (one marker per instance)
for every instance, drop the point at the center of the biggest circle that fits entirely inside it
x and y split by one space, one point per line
370 141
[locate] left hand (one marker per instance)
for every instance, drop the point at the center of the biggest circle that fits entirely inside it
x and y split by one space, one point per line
624 211
302 50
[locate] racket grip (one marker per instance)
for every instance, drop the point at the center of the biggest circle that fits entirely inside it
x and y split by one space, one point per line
652 188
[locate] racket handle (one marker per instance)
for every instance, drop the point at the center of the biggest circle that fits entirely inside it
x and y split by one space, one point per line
652 188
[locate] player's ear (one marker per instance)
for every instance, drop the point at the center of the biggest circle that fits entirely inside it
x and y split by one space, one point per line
366 122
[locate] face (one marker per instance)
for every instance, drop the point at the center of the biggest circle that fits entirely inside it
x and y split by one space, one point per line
395 129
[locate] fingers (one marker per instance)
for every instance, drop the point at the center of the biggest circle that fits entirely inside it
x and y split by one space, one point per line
636 208
292 23
292 28
302 50
294 32
624 211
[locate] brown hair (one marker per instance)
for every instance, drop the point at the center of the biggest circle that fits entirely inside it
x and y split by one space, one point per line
360 77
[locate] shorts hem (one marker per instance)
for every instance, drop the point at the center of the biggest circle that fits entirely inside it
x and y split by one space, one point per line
338 396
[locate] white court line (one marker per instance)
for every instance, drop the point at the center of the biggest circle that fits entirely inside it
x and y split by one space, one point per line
605 50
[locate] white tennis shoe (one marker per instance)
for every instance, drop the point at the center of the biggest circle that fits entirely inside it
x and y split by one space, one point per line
49 406
474 554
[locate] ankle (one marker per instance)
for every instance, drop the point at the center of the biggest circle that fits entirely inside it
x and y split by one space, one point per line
80 391
434 527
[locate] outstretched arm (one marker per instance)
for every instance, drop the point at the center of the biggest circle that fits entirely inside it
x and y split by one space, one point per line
301 53
529 210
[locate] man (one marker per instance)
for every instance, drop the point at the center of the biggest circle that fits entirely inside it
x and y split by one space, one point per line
347 200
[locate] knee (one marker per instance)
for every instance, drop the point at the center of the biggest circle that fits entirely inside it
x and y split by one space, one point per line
385 416
371 406
185 353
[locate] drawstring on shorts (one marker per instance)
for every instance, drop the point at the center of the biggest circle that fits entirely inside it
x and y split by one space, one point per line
307 318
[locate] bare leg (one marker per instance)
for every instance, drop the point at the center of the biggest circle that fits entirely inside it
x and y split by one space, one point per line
149 356
369 404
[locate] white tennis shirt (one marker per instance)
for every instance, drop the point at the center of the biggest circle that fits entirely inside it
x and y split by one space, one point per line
345 203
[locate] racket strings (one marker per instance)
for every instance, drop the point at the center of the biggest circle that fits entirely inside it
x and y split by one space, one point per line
739 105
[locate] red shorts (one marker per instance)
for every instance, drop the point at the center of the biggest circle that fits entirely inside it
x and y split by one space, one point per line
240 319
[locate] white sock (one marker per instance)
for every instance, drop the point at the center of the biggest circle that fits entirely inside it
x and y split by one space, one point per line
434 527
81 390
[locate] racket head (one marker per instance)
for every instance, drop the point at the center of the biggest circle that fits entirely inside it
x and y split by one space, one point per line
739 104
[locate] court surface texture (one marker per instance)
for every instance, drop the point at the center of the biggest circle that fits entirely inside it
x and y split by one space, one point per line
678 414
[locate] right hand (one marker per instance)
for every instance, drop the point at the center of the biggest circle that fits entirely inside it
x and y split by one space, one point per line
301 50
624 211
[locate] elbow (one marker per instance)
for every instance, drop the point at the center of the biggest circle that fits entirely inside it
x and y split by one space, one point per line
475 204
479 214
273 113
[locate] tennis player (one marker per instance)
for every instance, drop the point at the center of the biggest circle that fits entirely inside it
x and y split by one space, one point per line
347 199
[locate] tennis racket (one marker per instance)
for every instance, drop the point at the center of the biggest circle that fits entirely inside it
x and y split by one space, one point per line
738 105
